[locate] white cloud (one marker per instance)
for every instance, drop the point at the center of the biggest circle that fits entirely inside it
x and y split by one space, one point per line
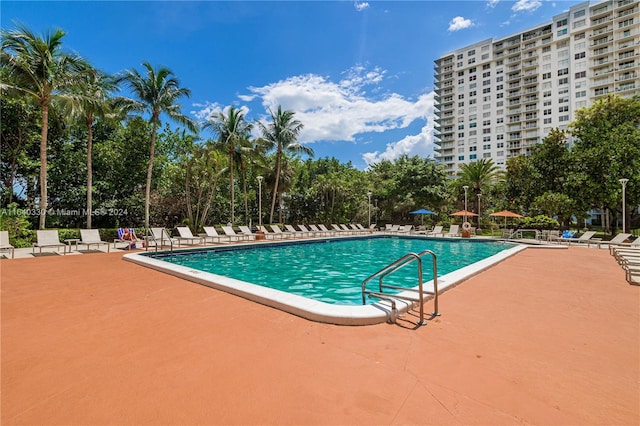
492 3
526 5
361 5
460 23
349 110
209 108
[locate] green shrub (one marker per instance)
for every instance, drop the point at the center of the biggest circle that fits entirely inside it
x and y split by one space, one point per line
538 222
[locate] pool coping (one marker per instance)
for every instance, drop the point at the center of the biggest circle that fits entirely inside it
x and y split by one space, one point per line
314 310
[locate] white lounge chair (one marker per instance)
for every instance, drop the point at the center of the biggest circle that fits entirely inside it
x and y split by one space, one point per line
247 232
49 238
229 232
4 243
160 237
617 240
320 232
406 229
454 230
584 238
90 237
437 230
326 230
285 234
270 235
309 232
211 233
187 236
296 232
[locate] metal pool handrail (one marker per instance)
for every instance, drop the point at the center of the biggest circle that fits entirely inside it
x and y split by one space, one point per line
395 266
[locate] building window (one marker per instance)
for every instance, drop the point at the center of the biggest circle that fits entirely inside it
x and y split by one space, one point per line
581 74
579 55
547 121
563 118
473 157
562 81
564 108
563 71
473 148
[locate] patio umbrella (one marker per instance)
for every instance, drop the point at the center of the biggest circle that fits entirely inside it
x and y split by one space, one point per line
464 213
422 212
505 214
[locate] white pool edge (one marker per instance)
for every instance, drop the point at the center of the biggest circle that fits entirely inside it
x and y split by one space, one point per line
311 309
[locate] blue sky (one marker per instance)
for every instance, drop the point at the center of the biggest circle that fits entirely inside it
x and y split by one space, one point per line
359 75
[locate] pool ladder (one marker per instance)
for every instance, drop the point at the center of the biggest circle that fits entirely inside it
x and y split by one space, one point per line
405 260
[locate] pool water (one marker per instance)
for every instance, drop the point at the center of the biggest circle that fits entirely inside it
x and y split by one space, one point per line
332 271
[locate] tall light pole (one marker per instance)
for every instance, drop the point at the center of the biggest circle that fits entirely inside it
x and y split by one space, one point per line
624 208
466 188
260 200
369 198
479 195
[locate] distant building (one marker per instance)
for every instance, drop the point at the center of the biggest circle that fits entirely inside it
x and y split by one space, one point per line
497 98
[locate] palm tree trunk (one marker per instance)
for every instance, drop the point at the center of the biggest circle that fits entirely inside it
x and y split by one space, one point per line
43 166
152 153
89 169
275 185
231 150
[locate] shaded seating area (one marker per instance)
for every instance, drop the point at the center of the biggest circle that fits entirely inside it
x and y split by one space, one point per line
91 237
49 239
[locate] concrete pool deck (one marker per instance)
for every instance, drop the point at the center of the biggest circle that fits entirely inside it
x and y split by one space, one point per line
545 337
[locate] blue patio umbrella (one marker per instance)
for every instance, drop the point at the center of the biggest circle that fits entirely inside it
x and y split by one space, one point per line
422 212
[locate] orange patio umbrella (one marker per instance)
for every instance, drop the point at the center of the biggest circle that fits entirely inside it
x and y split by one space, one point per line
464 213
506 214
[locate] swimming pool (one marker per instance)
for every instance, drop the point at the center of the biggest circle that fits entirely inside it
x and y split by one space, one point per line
332 271
320 279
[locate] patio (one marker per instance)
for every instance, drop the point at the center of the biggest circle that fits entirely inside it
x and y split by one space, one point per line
546 337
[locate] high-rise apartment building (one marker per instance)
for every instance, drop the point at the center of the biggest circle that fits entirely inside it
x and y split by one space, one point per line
499 97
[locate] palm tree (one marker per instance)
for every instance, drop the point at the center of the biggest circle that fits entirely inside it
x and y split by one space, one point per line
282 133
156 93
94 89
479 175
38 67
232 131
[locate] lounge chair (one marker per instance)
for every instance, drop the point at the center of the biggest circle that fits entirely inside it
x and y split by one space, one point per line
129 237
49 238
406 229
160 237
326 230
310 232
187 236
634 246
244 230
454 230
229 232
270 235
566 235
90 237
392 229
584 238
340 230
357 230
4 242
319 231
285 234
211 233
296 232
617 240
437 230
